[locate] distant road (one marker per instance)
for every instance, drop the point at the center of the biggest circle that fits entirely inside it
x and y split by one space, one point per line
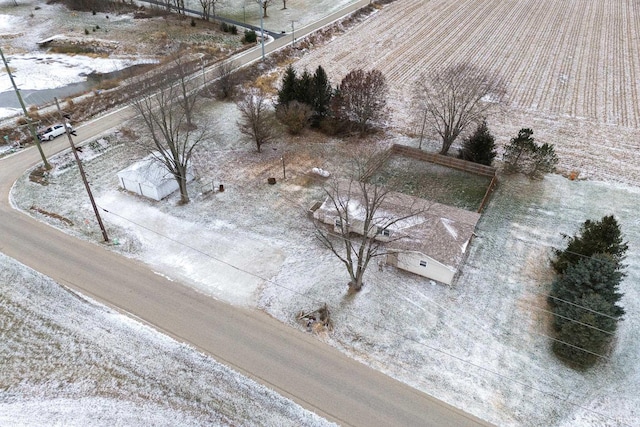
295 364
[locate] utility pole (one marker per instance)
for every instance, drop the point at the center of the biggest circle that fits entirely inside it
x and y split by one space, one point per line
34 135
82 174
293 34
261 3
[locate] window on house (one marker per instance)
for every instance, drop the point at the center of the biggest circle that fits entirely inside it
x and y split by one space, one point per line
423 263
382 231
338 222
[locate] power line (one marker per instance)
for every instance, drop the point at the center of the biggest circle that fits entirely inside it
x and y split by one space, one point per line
345 238
381 326
570 319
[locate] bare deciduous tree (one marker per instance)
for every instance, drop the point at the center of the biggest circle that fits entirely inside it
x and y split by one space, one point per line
264 4
183 69
172 141
452 98
227 78
361 98
209 8
363 222
179 6
256 119
295 116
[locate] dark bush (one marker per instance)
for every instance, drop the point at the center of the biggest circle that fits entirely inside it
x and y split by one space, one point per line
250 36
295 116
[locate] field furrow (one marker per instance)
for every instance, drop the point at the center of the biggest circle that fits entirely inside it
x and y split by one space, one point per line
562 60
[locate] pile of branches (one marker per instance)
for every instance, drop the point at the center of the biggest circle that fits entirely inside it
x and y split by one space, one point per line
316 321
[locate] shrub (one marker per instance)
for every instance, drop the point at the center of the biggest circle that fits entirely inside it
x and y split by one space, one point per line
295 116
86 31
234 30
224 27
193 22
250 36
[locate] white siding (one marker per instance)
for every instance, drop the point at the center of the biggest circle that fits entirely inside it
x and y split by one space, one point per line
410 261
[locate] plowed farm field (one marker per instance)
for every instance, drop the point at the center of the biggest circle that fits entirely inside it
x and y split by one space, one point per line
572 69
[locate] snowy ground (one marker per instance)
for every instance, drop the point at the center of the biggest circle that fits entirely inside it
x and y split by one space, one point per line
301 12
478 345
67 360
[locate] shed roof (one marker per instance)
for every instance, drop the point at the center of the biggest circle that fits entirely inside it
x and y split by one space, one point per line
149 171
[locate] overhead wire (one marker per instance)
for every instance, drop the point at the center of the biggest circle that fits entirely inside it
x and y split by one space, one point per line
339 236
399 334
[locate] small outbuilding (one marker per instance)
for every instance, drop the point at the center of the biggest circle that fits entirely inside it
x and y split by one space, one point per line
149 178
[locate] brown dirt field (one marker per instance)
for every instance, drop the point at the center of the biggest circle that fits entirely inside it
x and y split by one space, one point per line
572 69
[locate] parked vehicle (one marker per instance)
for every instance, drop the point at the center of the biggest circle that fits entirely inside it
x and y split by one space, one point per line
53 131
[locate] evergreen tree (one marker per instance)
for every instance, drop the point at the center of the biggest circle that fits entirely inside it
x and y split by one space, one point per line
479 147
287 92
597 275
518 149
585 295
304 89
322 93
582 340
544 160
522 154
594 237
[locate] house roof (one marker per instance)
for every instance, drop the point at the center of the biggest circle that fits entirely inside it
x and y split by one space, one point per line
439 231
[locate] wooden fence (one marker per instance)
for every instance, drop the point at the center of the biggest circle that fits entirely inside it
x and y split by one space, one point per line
439 159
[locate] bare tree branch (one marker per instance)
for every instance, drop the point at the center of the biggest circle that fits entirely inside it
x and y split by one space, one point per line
172 141
256 118
362 224
451 99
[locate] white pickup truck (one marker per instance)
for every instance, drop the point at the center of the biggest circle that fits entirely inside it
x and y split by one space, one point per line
53 131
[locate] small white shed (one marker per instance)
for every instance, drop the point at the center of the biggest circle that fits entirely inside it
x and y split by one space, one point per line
149 178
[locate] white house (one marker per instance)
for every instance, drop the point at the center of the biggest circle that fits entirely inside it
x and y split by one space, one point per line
149 178
433 243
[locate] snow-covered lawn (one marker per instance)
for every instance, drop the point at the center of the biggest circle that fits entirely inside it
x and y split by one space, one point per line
67 360
478 345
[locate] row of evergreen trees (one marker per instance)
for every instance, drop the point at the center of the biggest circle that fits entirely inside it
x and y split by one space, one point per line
584 296
356 104
315 91
522 154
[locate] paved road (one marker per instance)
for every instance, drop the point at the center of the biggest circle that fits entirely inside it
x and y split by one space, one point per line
293 363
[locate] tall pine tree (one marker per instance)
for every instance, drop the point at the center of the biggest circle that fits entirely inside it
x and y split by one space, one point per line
322 93
594 237
585 294
287 92
479 147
